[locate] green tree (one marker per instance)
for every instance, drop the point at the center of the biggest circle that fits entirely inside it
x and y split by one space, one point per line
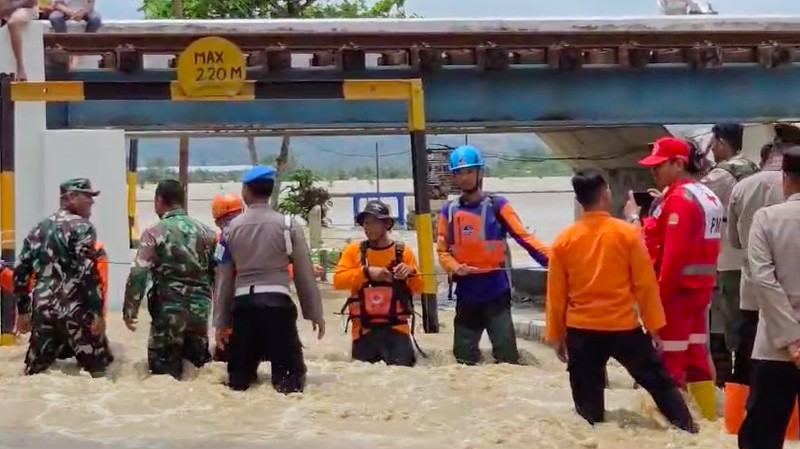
302 195
274 9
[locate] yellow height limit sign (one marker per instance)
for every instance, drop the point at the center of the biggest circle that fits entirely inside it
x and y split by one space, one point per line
211 67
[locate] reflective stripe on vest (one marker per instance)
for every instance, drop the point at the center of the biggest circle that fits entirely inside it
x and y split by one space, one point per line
699 270
487 206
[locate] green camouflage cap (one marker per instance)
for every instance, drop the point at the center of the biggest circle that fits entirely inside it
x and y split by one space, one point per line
82 185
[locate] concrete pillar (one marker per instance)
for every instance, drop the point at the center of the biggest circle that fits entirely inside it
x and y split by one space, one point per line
755 136
315 227
624 179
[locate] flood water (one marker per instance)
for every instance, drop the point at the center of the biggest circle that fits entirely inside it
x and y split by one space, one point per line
438 404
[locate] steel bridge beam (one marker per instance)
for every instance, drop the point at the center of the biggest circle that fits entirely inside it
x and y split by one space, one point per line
464 97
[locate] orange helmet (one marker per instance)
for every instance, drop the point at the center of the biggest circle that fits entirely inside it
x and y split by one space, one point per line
228 203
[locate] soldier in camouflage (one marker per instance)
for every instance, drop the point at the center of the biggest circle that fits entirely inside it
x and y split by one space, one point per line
176 254
63 311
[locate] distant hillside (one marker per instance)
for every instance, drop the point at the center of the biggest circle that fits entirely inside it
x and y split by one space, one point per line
326 154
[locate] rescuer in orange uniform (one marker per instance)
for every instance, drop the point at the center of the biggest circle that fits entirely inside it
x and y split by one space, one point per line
382 277
6 283
600 285
684 240
224 208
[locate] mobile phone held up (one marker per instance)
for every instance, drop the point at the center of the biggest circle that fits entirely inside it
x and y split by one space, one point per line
644 200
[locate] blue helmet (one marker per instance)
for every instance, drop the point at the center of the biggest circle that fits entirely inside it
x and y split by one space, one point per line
465 156
259 172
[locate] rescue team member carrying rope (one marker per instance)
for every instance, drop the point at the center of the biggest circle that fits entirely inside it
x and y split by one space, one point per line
599 272
684 241
471 245
382 277
253 290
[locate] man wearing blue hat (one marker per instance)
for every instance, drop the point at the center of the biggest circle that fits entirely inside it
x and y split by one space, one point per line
254 254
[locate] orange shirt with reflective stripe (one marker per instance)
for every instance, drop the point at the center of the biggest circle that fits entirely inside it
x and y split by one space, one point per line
349 274
599 272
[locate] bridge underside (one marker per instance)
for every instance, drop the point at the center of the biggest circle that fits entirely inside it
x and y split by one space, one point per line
614 149
469 97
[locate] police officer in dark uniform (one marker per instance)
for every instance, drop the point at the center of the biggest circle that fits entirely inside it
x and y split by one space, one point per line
254 254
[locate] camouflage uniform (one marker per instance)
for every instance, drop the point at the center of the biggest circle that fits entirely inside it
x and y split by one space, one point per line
66 297
177 255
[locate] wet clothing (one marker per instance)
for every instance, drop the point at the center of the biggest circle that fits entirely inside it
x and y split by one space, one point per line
773 249
176 255
60 256
392 316
386 345
599 277
684 240
589 352
475 234
493 316
252 290
265 328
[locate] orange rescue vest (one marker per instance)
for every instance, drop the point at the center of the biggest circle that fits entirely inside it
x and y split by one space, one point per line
467 236
379 304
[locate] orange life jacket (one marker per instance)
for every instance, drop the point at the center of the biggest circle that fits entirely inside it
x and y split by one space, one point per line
379 304
474 237
7 277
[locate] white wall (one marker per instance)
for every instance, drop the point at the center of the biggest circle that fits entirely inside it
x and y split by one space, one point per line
100 156
30 122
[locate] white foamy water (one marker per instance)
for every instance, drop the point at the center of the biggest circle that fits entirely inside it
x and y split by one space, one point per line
438 404
352 405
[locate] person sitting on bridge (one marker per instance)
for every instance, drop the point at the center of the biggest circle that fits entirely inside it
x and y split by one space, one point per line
17 14
381 275
76 10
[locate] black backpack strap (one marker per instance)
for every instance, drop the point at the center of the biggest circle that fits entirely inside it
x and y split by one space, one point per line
399 248
363 250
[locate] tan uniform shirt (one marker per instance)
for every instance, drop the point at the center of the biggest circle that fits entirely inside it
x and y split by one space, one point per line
721 182
774 250
749 195
252 252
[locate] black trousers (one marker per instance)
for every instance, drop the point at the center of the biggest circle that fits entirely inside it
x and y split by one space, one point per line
588 353
265 327
742 361
494 317
385 344
774 389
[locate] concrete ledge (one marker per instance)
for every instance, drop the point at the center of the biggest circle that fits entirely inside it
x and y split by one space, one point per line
529 329
529 284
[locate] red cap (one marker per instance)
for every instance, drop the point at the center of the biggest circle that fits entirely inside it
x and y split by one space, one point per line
665 149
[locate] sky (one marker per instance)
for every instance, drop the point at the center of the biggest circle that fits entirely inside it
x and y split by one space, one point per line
127 9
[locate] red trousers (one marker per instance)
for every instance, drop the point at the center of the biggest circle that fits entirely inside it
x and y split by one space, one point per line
685 336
